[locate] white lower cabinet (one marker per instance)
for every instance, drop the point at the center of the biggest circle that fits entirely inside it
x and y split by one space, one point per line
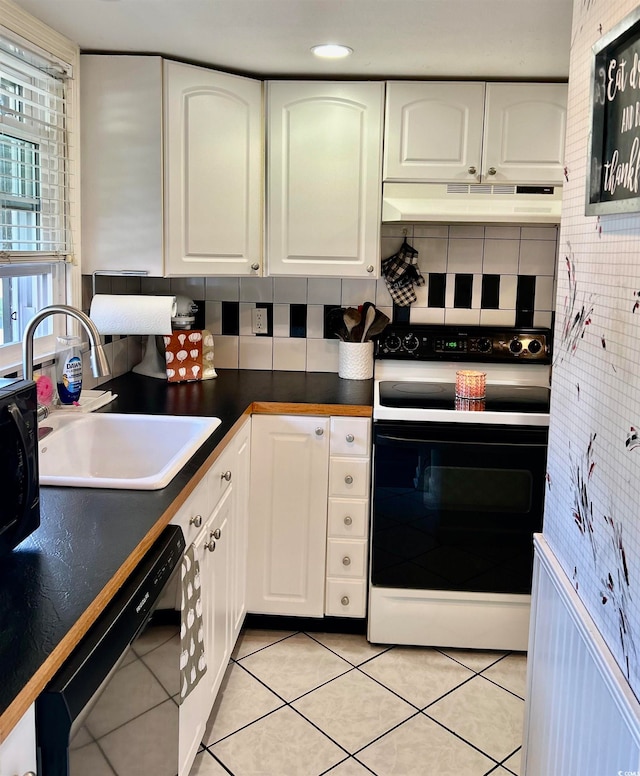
18 752
348 524
288 515
218 508
309 515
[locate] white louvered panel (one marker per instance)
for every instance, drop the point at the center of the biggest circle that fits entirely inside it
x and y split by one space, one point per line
582 717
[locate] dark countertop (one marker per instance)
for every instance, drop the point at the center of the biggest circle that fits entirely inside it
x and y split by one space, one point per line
54 585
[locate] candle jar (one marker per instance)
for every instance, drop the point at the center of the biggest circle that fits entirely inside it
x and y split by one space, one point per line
470 384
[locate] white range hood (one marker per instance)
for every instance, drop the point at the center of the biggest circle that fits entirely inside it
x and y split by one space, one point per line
470 203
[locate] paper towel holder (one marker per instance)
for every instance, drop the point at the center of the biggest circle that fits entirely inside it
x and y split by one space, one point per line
152 364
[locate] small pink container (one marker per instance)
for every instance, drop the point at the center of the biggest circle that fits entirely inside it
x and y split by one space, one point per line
470 384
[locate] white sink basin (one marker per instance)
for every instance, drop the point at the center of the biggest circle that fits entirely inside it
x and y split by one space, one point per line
110 450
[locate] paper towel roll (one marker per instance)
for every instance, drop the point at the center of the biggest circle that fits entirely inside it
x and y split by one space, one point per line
131 314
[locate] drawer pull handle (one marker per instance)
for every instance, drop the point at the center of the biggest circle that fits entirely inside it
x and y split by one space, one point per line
350 438
346 561
210 545
196 520
226 476
217 533
319 431
348 479
348 520
345 600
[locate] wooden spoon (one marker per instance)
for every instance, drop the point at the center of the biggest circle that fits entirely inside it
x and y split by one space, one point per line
351 320
379 323
369 317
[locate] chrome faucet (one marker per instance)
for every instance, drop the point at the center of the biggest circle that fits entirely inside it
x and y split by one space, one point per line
99 364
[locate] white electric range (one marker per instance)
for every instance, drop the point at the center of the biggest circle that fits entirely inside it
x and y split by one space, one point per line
458 485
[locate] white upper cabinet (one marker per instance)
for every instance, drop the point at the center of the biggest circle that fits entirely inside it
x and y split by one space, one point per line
213 172
324 155
433 131
524 133
473 132
171 168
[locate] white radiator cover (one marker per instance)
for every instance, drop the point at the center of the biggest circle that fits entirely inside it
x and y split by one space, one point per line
582 719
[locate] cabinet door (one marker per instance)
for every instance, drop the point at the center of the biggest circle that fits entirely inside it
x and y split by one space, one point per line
524 133
213 183
18 752
121 146
217 575
239 527
288 516
324 149
433 131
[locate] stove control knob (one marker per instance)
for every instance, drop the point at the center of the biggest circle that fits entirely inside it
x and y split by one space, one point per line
411 343
515 346
392 343
535 346
484 345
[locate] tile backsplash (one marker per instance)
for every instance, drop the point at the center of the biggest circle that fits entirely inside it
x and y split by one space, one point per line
475 275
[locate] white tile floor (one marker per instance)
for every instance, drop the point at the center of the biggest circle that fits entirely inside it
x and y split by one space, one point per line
305 704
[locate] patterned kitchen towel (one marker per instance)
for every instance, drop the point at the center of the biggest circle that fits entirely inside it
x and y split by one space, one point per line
401 274
193 664
189 356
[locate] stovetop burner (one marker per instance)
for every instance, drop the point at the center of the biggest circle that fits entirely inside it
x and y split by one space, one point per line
441 395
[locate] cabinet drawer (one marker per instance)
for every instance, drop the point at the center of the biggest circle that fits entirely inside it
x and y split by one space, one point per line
346 598
349 477
346 558
348 518
195 512
350 436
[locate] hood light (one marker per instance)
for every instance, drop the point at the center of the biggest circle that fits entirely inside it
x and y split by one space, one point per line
331 51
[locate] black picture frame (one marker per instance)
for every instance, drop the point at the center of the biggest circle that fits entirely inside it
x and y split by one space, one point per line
613 171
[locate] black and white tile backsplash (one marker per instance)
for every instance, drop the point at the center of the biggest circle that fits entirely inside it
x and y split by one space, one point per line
476 275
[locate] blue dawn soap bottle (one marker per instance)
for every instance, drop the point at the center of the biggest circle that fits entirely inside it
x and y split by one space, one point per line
68 369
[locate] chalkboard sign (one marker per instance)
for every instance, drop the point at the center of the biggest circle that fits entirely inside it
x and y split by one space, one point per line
613 176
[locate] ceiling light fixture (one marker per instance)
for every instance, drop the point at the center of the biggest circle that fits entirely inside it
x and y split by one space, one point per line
331 51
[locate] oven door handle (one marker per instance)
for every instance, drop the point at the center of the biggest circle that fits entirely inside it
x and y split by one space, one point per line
464 442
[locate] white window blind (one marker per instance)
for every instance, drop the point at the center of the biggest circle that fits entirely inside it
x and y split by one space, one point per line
33 155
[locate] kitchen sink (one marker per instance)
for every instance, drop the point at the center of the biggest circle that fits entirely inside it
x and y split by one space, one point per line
111 450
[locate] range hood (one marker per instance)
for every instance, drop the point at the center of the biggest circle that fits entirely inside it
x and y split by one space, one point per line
470 203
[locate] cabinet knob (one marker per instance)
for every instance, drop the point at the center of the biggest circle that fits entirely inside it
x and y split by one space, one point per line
491 171
346 561
255 266
345 600
350 438
472 170
226 476
319 431
370 268
210 545
348 520
348 479
217 533
196 520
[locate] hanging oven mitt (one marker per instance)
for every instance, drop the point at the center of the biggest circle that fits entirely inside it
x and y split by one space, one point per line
401 274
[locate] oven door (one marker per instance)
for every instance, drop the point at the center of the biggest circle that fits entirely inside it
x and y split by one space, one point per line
455 506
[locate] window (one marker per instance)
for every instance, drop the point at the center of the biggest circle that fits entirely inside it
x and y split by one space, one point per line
35 238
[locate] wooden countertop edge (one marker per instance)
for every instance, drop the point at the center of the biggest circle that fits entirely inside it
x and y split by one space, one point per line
21 703
295 408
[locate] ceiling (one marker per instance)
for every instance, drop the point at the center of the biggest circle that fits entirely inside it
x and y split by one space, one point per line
484 39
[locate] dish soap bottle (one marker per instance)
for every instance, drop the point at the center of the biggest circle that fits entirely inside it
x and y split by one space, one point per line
68 369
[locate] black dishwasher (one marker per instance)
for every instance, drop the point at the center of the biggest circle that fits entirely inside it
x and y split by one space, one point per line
113 706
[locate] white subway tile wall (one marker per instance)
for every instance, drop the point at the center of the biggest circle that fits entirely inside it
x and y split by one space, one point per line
296 307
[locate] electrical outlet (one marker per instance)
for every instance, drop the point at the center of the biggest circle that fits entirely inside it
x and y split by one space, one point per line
259 323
